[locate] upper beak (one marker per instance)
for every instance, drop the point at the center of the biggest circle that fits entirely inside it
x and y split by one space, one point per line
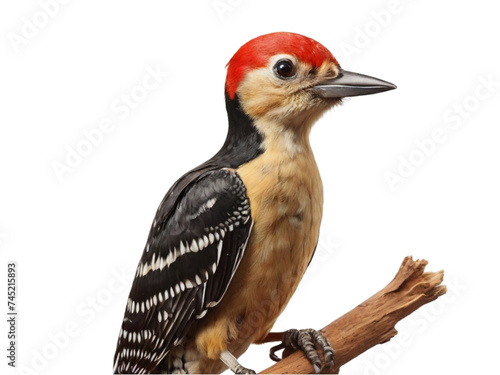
351 84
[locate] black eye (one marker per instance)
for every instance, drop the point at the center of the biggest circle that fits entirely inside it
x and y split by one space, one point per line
284 68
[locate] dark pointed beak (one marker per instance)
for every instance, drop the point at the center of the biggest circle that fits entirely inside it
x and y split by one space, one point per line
351 84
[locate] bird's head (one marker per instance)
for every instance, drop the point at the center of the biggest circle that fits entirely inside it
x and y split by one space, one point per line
290 80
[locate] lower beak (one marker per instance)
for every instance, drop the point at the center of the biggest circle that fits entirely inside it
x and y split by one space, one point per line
351 84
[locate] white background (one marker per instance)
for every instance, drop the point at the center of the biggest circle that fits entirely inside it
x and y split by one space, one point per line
77 239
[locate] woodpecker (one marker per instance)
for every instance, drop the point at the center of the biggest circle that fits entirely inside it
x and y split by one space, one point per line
233 237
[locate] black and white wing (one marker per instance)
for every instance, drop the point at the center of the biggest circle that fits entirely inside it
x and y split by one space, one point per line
195 245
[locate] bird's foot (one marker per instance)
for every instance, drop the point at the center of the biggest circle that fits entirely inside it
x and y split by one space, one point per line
233 364
243 370
309 341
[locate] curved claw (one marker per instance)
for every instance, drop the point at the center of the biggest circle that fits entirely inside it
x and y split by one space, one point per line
273 350
309 341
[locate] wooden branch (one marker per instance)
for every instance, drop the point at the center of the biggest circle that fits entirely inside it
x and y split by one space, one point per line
372 322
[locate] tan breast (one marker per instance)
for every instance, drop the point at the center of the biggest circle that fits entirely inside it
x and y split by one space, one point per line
286 198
